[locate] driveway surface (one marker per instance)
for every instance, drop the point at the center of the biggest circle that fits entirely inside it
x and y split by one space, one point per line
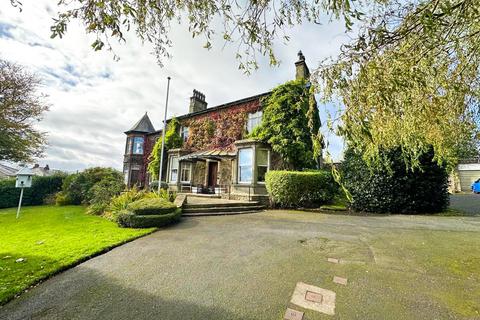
469 203
247 266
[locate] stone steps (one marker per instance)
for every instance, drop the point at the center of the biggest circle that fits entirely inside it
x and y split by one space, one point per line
205 214
222 209
214 207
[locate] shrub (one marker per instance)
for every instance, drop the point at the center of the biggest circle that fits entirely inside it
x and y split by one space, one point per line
130 220
167 195
300 188
79 188
35 195
396 189
151 206
154 185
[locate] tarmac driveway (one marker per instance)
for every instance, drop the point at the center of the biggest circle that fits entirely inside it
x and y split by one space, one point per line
469 203
246 267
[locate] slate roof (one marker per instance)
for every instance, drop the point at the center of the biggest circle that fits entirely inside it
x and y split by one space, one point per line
144 125
6 171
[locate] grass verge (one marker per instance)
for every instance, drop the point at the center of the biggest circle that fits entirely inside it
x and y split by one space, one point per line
48 239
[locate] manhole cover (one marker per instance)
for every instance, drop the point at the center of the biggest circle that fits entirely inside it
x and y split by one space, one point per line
313 297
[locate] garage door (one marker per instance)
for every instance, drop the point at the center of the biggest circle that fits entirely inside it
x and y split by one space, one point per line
468 173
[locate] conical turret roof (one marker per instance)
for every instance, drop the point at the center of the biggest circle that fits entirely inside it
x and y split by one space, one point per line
144 125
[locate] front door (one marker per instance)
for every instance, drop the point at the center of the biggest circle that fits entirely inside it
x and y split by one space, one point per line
212 174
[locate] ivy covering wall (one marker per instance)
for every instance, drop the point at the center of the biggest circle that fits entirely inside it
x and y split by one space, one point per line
219 130
291 125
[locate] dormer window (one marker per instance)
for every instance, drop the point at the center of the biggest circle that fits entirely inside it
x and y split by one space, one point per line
138 145
184 133
254 120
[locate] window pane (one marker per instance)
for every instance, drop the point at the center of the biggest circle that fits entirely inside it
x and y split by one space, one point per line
261 171
184 133
185 176
245 173
173 176
173 169
129 145
245 157
174 164
138 145
262 157
254 119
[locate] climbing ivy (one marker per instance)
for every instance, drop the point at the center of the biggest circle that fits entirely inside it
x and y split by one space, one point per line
291 125
219 130
172 140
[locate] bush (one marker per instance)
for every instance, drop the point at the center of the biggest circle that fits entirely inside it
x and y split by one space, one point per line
290 189
41 188
151 206
154 185
130 220
79 188
396 189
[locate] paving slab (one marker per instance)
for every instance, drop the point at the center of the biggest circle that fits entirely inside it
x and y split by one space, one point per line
314 298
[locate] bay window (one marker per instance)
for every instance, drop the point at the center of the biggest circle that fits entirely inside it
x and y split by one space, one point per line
245 165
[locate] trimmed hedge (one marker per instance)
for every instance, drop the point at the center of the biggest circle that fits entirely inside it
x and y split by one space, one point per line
292 189
42 187
396 189
151 206
130 220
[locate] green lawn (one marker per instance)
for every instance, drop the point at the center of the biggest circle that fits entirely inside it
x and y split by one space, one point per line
50 239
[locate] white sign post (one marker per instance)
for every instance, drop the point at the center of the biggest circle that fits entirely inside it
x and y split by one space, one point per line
24 180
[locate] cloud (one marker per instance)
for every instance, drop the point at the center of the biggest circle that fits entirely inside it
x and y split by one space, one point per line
94 99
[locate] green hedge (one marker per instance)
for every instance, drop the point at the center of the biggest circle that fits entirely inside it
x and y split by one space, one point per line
41 188
151 206
292 189
396 189
130 220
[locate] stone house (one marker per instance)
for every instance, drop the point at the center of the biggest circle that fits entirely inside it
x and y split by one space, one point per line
215 157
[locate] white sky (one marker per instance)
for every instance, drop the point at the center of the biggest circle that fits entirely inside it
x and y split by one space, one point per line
94 99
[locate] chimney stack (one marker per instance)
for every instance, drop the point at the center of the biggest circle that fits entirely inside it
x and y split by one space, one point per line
302 71
197 102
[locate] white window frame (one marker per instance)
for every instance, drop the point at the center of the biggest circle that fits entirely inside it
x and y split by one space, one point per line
254 120
268 163
184 166
173 168
239 166
184 133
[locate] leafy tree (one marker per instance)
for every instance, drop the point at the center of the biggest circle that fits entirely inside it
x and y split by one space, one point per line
21 105
410 79
91 186
285 113
172 140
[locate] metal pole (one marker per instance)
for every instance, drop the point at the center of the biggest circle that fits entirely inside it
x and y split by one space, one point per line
19 204
163 138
